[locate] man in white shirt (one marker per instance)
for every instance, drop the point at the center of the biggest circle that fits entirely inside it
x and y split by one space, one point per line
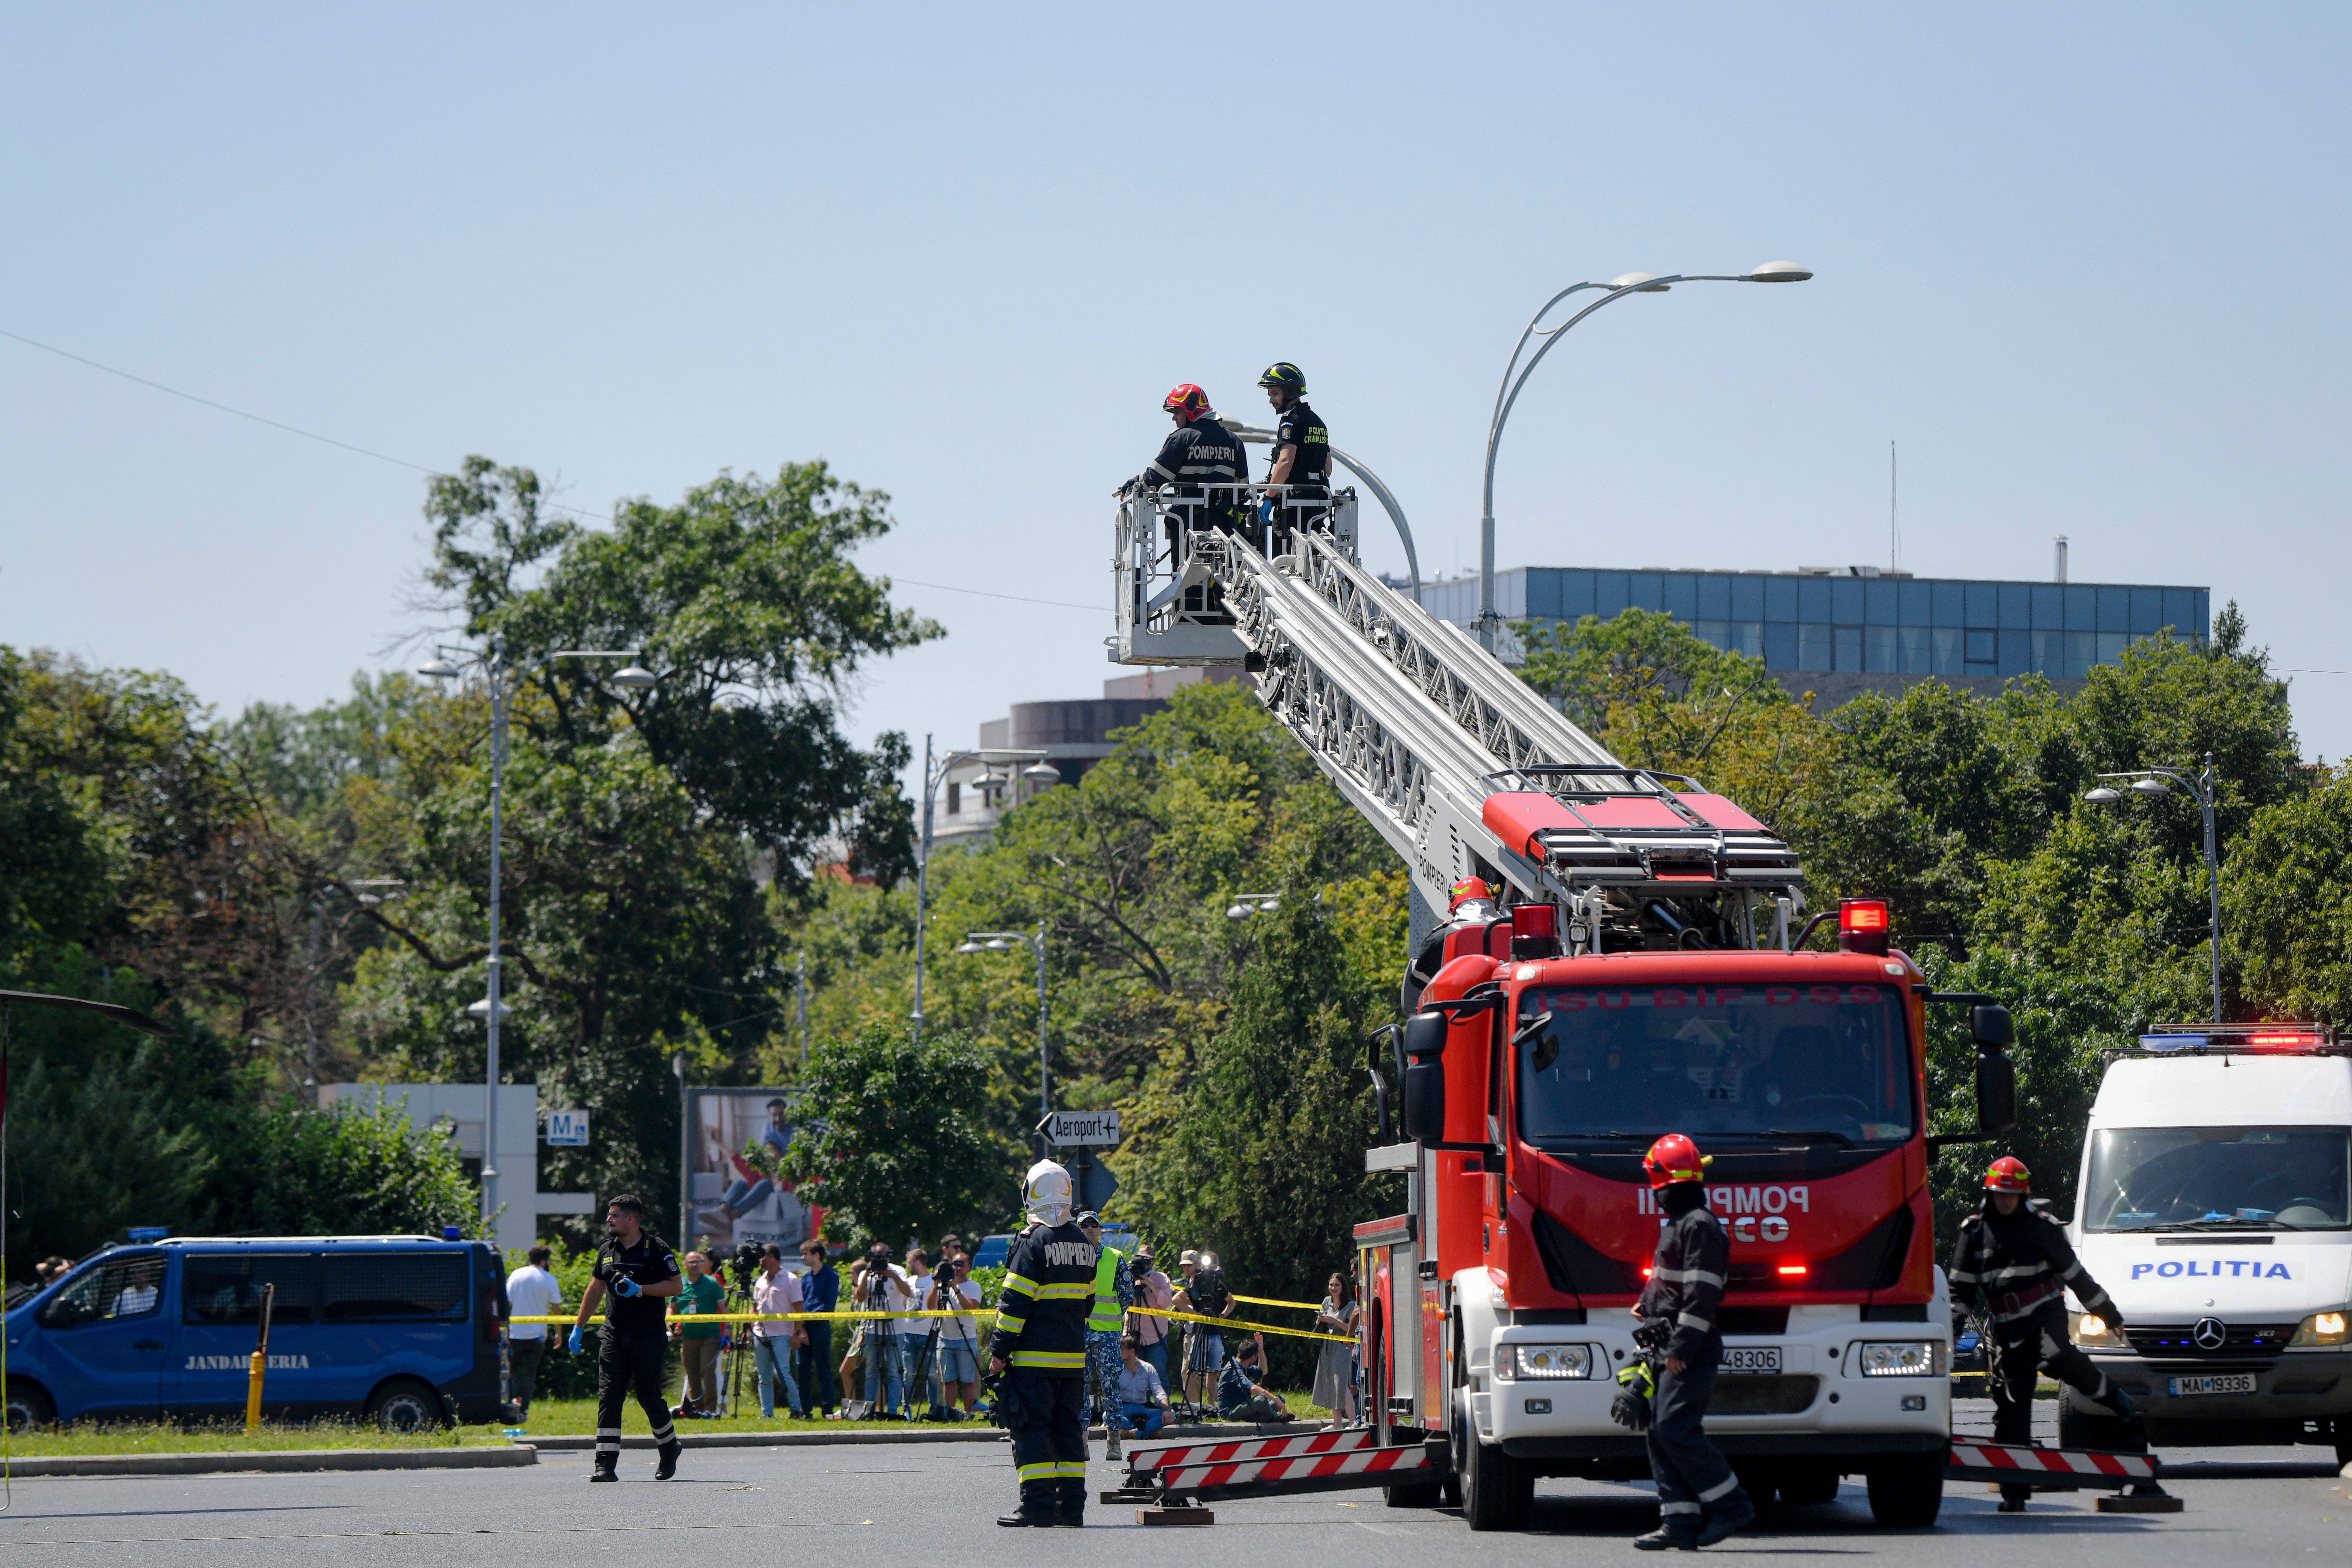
771 1343
884 1287
957 1376
914 1331
531 1293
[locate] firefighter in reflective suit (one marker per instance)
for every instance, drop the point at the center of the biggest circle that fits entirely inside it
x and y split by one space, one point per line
1039 1349
2013 1266
1699 1499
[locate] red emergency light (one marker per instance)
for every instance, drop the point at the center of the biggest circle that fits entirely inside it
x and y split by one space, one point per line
2288 1042
1789 1270
1535 930
1862 925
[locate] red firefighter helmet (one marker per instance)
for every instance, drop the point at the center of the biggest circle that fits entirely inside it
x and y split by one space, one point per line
1672 1159
1188 400
1467 888
2008 1174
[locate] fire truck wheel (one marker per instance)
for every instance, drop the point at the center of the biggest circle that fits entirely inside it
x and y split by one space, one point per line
1906 1491
1498 1491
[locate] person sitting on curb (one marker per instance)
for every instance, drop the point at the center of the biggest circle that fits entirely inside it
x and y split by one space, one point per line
1142 1401
1240 1396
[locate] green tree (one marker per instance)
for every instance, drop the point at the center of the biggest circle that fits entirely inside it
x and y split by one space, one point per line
891 1145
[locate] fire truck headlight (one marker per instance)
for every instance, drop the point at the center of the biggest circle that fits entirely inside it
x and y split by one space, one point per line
1899 1358
2320 1329
1544 1361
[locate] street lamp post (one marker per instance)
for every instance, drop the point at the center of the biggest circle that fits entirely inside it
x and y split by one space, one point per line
2200 786
1515 377
1003 942
1040 775
503 676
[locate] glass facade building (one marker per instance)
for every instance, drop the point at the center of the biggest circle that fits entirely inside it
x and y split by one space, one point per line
1845 620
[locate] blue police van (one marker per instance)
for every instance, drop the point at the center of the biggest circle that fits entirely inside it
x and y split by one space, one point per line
403 1330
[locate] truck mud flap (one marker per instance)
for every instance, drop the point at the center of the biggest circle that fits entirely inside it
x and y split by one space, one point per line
1274 1467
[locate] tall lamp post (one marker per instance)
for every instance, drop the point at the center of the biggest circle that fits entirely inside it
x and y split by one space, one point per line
2149 781
1005 942
1041 775
503 677
1515 377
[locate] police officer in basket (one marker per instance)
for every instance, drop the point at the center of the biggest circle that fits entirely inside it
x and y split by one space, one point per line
1298 481
634 1271
1039 1349
1699 1499
2014 1266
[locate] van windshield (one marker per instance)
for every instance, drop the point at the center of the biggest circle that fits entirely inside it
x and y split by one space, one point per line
2219 1178
1825 1062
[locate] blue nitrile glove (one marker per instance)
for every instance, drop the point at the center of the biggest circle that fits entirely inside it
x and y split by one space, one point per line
628 1287
1266 511
573 1344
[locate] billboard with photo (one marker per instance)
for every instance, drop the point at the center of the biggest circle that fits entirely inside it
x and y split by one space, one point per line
730 1195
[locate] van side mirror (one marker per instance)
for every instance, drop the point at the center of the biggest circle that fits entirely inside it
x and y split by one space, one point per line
1424 1077
1996 1088
1991 1027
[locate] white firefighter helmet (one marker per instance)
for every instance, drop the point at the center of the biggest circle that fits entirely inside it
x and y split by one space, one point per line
1046 1193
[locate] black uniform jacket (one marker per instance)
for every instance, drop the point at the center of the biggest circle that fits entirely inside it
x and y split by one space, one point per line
1686 1284
649 1262
1201 453
1049 1289
2018 1265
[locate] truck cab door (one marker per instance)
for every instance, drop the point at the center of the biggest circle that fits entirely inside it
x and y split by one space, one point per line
105 1335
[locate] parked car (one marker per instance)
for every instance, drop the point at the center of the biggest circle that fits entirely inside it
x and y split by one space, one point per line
401 1328
994 1249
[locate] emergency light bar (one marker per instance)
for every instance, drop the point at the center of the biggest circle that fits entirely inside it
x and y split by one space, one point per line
1862 925
2198 1038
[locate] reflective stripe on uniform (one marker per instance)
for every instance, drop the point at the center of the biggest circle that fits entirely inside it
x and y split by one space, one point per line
1074 1361
1066 1292
1722 1488
1692 1321
1689 1276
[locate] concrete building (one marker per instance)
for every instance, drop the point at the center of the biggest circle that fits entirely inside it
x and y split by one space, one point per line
462 1104
1840 631
1073 735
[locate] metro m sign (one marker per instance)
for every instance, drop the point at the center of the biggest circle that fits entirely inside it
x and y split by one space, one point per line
1081 1129
567 1129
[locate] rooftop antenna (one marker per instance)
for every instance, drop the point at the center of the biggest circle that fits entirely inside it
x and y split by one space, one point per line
1893 535
2062 559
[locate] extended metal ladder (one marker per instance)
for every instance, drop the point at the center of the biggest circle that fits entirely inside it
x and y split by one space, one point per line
1459 764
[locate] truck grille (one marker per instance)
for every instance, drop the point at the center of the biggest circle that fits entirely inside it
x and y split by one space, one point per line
2180 1339
1766 1395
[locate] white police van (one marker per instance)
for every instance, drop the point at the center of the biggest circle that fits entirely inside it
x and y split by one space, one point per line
2216 1207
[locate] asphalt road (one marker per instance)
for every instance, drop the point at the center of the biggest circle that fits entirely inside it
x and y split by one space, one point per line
882 1506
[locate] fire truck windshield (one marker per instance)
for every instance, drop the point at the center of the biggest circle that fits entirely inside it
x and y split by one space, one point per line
1832 1062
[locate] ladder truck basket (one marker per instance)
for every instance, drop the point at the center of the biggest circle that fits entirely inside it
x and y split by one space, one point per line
1170 607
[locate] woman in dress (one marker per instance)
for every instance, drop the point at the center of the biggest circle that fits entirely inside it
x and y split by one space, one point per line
1335 1367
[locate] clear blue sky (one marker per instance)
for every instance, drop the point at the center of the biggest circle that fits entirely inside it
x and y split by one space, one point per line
2083 263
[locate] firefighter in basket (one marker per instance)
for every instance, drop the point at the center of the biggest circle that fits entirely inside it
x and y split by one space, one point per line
2012 1267
1699 1499
1039 1350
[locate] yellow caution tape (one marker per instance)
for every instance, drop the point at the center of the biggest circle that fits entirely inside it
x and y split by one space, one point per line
767 1316
1237 1323
1265 1301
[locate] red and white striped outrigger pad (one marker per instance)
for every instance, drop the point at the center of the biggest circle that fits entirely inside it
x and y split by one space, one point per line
1317 1459
1990 1461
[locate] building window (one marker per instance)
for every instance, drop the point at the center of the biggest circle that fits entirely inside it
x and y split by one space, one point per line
1812 647
1982 644
1878 650
955 798
1845 646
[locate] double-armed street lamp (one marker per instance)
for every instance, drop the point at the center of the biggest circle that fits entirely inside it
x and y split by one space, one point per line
1244 905
503 677
1005 942
1040 775
2148 783
1515 377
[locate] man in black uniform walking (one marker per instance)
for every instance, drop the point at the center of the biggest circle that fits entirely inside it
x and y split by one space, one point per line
1699 1499
1302 455
1039 1349
633 1272
2014 1265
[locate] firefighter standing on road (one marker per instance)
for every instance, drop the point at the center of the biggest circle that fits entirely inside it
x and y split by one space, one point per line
633 1272
2013 1265
1039 1349
1302 454
1699 1499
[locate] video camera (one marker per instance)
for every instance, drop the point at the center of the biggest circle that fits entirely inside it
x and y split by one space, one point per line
743 1263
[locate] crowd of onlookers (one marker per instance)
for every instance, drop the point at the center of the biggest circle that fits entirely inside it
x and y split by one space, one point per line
893 1368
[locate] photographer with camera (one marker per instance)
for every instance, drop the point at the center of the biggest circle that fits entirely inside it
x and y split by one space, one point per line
1204 1292
882 1286
775 1291
956 1369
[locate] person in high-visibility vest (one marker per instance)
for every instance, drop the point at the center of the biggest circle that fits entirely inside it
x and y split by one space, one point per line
1114 1294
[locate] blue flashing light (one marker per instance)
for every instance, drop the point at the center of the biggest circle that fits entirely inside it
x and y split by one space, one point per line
2173 1042
149 1232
